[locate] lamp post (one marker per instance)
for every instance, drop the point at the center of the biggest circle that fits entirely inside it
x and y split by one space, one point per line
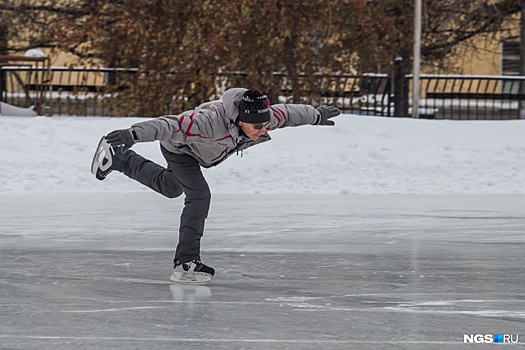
522 59
416 58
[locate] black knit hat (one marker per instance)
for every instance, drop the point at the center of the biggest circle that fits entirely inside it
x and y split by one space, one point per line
254 107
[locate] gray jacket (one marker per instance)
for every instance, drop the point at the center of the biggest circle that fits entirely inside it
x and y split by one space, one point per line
210 133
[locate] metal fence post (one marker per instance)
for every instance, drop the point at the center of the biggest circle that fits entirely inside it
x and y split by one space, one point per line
3 85
400 89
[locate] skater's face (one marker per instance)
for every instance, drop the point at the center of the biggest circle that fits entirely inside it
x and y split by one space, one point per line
254 131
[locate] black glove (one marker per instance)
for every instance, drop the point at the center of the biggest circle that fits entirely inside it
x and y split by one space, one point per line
325 113
121 138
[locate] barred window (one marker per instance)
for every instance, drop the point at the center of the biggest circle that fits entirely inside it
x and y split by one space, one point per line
510 63
510 56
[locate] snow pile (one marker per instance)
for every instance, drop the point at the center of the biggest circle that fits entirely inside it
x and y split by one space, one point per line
358 155
10 110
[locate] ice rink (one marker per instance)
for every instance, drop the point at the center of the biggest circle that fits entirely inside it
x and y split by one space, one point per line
90 271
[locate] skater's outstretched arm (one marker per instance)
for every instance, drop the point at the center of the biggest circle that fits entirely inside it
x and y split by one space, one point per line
185 129
188 127
285 115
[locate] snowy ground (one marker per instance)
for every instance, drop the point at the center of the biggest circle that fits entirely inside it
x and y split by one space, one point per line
358 155
376 234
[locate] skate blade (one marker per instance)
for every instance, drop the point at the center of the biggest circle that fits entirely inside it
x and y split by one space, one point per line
104 150
190 277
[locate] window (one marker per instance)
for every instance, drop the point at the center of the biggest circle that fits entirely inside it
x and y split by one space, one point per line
510 63
510 56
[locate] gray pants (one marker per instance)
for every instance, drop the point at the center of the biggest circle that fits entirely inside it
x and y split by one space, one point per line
183 175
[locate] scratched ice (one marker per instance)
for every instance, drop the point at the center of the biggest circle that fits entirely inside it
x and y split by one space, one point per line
90 271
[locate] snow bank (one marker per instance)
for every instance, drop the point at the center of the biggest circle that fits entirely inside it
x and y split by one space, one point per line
359 155
10 110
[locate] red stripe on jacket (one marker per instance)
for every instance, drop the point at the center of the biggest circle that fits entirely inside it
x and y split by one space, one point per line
276 115
188 131
179 121
282 112
222 138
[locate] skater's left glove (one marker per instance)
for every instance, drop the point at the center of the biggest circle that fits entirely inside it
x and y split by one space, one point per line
324 113
121 138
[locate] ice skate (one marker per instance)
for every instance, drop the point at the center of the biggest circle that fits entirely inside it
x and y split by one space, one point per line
192 272
102 160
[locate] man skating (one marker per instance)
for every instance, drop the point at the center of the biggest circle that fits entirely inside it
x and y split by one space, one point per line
203 137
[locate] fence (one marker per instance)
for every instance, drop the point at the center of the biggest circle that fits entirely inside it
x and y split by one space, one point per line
32 81
471 96
89 91
366 94
68 91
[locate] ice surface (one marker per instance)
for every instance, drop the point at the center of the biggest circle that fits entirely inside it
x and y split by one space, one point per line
303 271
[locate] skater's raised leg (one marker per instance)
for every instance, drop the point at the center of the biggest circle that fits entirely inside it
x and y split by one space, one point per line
148 173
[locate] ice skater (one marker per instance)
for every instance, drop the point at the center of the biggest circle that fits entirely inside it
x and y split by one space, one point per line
203 137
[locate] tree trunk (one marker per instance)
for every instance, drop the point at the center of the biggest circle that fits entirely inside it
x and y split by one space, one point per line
293 75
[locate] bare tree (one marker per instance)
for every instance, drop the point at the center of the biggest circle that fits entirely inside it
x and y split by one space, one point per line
26 24
179 46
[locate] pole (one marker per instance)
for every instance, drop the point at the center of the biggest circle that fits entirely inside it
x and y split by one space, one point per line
399 86
522 60
417 53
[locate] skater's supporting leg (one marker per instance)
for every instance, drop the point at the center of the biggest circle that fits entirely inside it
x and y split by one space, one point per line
196 205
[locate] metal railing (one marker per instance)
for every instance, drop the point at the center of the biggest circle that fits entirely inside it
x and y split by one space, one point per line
89 92
474 97
33 71
86 91
69 91
366 94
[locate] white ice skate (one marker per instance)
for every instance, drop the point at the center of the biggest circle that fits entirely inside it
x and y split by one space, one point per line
102 160
193 272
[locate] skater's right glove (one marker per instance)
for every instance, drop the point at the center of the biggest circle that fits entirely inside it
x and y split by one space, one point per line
121 138
324 113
